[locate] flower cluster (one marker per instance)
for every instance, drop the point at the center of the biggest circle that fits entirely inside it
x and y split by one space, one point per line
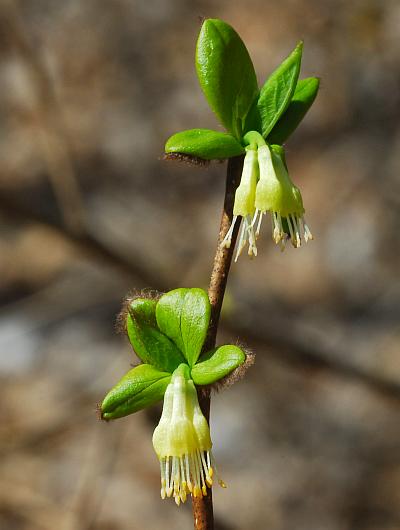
182 442
168 336
266 186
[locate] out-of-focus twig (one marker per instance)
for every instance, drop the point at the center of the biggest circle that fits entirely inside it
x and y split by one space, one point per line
47 116
289 350
87 244
286 348
32 508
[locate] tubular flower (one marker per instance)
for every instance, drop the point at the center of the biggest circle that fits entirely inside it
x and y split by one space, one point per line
265 186
244 206
277 194
182 441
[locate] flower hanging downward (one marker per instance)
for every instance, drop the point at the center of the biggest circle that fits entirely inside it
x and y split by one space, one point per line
244 206
258 121
265 186
277 194
182 441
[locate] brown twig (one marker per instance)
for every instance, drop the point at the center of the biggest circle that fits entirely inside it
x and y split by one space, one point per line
287 349
87 244
202 506
46 113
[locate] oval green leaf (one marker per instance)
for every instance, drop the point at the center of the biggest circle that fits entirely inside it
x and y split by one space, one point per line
226 74
144 310
205 144
217 363
183 315
278 90
149 343
141 387
304 96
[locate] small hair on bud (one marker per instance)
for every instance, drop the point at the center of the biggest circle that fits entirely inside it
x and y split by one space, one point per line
188 159
147 293
237 374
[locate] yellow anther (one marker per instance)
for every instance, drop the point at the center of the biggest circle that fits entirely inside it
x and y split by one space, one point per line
183 444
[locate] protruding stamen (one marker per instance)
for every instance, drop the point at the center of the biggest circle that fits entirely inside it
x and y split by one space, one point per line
242 239
168 485
277 227
203 482
175 472
206 470
226 242
295 225
196 479
289 223
188 479
296 230
183 481
190 473
162 468
259 224
252 240
307 233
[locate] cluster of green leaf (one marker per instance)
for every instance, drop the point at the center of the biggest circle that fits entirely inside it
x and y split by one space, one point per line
228 80
165 334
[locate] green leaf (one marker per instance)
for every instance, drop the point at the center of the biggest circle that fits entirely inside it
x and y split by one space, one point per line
216 364
278 90
141 387
150 345
226 74
183 315
144 310
204 143
304 96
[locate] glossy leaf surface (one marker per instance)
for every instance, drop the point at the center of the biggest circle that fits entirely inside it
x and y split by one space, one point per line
278 90
217 364
183 315
141 387
149 343
205 144
226 74
304 96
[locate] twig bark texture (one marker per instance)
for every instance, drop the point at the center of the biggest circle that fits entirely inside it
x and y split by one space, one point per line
203 506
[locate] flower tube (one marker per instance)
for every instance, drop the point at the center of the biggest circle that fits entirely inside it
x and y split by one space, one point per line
277 194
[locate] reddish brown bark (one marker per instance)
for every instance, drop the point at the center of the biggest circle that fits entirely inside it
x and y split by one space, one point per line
203 506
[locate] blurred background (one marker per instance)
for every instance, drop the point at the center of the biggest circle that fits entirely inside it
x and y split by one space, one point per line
89 92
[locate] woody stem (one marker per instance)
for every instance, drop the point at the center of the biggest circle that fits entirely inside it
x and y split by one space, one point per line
203 506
